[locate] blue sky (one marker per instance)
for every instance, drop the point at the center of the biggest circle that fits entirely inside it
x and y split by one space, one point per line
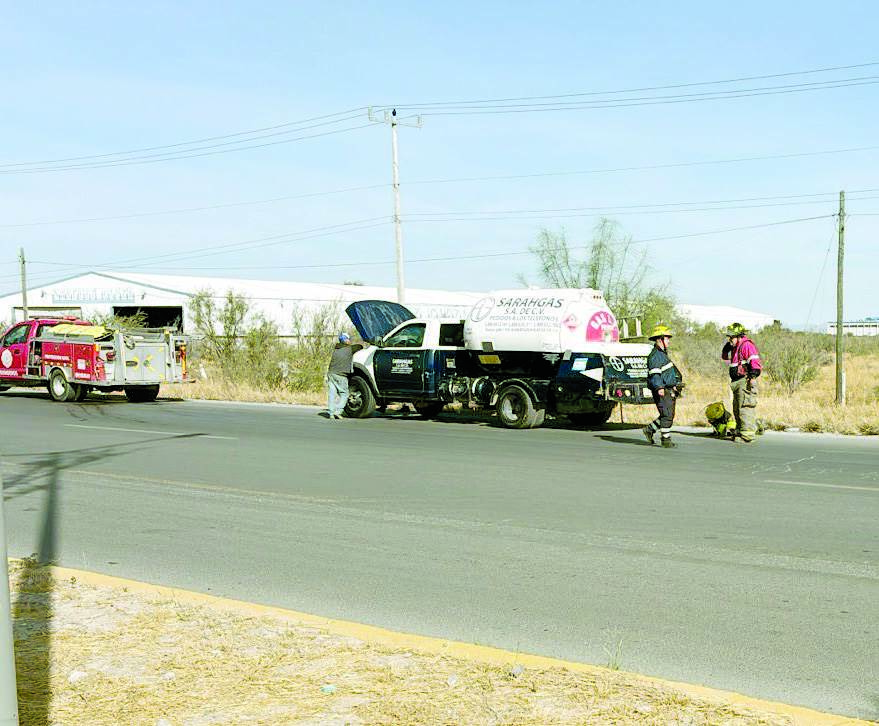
93 78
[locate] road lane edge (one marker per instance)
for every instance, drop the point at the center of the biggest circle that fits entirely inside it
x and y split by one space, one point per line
800 716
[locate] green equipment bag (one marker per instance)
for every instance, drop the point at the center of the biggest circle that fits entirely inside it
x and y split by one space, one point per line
719 418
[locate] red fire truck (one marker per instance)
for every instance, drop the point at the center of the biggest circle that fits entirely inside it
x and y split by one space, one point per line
72 357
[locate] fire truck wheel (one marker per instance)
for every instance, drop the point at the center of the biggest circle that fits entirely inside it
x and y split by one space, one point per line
361 402
59 389
141 394
515 409
81 392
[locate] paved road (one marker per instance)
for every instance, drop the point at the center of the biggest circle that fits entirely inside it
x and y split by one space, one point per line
747 568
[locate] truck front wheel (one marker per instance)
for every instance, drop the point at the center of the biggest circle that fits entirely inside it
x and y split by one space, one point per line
516 410
141 394
361 402
59 388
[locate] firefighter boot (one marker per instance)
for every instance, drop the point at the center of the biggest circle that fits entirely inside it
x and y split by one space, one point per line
667 443
648 432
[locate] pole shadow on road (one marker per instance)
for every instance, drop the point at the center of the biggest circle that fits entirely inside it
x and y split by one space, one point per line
92 400
32 607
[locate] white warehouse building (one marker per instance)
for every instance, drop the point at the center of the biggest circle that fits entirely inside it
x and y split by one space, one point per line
165 300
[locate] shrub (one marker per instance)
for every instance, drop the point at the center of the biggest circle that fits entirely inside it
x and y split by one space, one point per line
121 322
793 359
248 348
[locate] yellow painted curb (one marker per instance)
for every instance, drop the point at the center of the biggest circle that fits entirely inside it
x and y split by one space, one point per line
480 653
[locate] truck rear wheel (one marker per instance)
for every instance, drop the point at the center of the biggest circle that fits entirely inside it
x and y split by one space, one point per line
141 394
361 402
81 392
516 410
59 388
593 418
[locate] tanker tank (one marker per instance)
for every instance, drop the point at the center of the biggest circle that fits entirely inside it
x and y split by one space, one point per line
543 321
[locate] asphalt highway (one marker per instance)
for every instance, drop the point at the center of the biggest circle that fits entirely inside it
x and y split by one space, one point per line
750 568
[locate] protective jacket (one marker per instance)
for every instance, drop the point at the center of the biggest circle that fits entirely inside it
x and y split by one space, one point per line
743 359
661 372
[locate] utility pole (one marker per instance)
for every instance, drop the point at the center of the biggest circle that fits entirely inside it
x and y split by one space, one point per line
8 694
22 265
840 340
394 121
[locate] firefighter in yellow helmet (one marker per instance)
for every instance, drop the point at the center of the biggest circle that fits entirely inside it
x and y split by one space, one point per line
665 382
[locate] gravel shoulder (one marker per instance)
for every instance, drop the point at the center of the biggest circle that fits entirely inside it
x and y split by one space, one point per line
97 650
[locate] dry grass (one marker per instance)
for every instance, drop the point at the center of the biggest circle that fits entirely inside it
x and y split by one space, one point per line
219 389
810 409
101 656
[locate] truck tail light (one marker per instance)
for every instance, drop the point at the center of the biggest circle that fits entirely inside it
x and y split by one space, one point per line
111 355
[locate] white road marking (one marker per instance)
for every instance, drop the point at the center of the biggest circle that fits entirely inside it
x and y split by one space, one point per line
146 431
824 486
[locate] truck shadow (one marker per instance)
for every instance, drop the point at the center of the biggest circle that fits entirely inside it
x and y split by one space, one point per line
491 420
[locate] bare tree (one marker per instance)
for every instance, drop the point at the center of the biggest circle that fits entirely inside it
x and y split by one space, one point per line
610 263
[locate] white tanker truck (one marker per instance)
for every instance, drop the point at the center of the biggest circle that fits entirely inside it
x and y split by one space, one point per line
524 353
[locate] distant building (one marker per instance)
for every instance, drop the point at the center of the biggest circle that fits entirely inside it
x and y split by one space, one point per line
164 299
867 326
723 315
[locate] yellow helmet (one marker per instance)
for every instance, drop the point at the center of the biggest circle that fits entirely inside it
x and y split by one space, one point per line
715 411
660 331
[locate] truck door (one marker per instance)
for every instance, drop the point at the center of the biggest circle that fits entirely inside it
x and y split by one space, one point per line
13 352
401 364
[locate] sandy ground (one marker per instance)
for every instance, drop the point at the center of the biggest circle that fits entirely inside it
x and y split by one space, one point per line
100 655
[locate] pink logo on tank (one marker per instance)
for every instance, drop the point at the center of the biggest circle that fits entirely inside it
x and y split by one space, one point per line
602 327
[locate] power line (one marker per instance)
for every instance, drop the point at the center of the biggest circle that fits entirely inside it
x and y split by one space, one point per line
246 245
820 277
626 103
150 160
182 210
241 246
351 113
488 255
648 167
453 180
654 208
741 79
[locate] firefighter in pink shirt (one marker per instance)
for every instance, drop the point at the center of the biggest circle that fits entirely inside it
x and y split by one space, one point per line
744 369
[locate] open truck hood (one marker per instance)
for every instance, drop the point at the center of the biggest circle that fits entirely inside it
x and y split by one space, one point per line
374 319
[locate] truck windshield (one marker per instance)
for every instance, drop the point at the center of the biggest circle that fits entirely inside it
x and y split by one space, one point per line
16 335
412 336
